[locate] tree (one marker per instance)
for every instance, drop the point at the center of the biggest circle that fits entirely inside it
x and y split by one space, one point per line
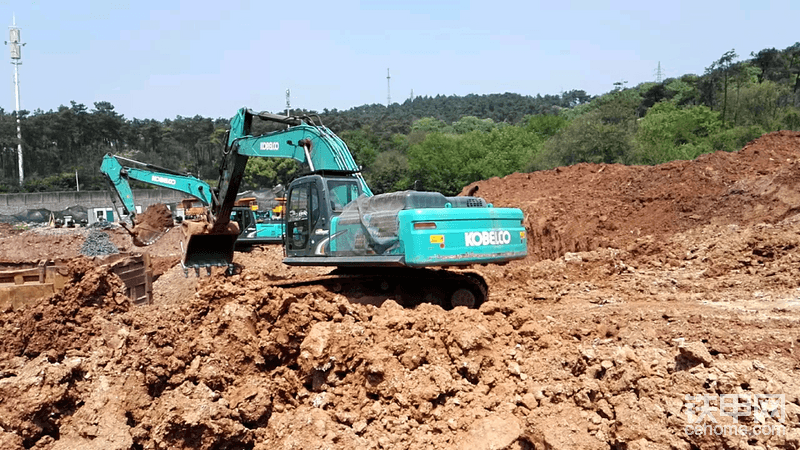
363 143
770 62
669 132
263 173
763 104
793 64
723 66
604 134
468 124
545 125
443 162
683 91
388 173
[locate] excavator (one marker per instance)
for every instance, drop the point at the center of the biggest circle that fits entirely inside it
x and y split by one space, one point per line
392 244
119 170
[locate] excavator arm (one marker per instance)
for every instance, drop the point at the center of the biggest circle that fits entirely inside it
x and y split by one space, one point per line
313 145
119 176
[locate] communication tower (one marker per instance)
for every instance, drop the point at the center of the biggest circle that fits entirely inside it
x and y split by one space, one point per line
388 89
16 56
659 73
288 102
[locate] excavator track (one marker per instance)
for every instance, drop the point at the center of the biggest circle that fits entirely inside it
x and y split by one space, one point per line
408 286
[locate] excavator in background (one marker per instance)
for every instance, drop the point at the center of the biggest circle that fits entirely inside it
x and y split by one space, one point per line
257 227
118 174
119 170
392 243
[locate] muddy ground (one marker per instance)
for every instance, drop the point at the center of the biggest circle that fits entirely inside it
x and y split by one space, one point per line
643 285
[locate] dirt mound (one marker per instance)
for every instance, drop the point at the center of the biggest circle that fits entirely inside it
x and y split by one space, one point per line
63 321
589 206
150 226
646 287
158 216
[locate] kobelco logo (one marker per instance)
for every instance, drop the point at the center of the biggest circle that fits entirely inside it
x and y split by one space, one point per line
158 179
270 145
495 237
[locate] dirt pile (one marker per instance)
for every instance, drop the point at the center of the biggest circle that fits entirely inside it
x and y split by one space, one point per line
589 206
157 216
602 338
150 226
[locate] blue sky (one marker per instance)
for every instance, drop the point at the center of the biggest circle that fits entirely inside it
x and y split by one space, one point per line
161 59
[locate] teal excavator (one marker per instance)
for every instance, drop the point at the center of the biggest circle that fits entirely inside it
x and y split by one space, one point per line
120 170
390 244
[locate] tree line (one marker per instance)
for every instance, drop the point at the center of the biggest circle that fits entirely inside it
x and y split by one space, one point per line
440 143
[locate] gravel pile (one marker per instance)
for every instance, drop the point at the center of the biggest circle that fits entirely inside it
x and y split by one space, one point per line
103 225
98 243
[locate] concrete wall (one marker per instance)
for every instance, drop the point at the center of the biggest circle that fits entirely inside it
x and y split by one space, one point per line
56 201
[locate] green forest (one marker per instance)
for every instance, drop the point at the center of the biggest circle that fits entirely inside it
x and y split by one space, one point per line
439 143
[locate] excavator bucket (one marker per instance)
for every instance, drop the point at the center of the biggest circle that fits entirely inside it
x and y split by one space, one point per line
150 226
144 235
203 246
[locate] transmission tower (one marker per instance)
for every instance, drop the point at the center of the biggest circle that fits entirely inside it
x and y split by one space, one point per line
388 89
16 56
659 73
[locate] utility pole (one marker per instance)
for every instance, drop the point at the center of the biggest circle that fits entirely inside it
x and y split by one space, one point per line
16 55
388 89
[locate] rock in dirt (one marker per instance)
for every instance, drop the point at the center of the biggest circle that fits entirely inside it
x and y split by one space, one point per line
697 353
496 432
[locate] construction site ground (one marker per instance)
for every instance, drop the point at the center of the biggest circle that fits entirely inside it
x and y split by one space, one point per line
645 289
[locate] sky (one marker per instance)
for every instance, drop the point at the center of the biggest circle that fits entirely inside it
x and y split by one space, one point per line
168 58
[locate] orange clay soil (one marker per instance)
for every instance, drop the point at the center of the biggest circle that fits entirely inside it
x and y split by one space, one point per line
642 285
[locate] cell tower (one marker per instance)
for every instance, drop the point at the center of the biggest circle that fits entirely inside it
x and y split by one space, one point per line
388 89
288 102
659 73
16 56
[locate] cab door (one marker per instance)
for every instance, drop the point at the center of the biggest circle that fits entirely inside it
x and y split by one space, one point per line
303 213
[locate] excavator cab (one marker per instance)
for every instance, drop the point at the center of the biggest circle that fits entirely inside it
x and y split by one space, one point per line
311 203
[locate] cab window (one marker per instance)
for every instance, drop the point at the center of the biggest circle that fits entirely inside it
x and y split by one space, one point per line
342 193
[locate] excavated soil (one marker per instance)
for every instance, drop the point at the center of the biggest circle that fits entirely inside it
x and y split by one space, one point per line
156 216
644 286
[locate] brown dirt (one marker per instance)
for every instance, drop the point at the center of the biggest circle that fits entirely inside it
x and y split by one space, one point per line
150 226
643 285
157 216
